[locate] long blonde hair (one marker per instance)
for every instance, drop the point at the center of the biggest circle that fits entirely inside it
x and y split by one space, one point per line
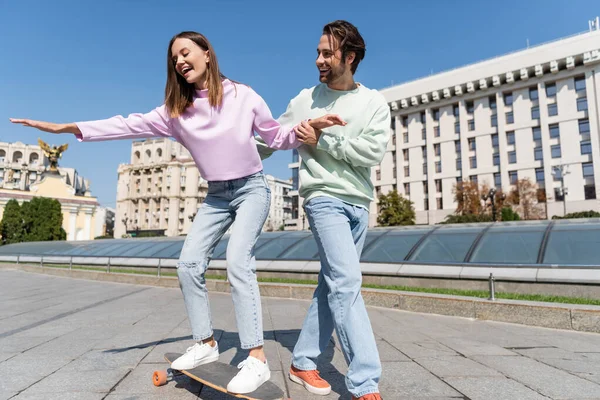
179 94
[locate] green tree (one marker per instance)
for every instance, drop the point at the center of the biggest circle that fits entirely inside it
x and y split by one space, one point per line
11 227
466 218
508 214
395 210
42 220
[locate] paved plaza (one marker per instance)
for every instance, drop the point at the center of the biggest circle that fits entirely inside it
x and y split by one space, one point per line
63 338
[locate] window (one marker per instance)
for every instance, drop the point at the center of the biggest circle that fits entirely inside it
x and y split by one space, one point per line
437 149
394 157
580 84
438 185
436 131
496 159
471 124
510 137
551 89
423 117
405 137
494 120
584 126
473 162
407 189
510 118
425 187
424 151
533 93
426 205
554 131
457 146
535 112
472 145
458 164
497 180
588 169
492 100
552 109
440 203
513 177
457 127
539 175
538 154
555 151
436 114
558 194
495 140
537 133
473 178
508 99
424 169
470 107
582 104
378 175
512 157
405 121
586 147
589 191
455 110
393 123
405 154
406 171
438 166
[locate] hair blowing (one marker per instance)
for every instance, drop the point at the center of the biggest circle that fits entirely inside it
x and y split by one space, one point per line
179 94
349 40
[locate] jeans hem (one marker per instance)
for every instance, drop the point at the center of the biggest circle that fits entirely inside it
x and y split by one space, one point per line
200 337
253 345
303 368
365 392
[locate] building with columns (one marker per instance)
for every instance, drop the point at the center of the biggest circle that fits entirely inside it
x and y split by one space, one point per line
23 176
529 114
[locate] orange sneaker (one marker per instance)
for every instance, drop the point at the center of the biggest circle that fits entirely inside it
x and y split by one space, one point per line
370 396
311 380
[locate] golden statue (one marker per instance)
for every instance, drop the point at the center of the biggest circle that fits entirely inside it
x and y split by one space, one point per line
53 153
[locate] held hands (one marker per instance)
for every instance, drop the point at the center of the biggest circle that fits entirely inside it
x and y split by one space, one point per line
47 126
310 132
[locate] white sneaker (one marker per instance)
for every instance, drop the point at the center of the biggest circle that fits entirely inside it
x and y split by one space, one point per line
198 354
253 373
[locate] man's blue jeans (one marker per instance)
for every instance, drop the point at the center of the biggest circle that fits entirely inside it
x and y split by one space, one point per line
340 230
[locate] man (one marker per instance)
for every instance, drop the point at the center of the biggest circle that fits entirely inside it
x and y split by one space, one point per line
335 181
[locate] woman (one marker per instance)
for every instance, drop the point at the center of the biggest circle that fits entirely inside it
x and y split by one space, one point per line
215 119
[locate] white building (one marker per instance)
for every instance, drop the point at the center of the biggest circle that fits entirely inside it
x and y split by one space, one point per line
515 116
105 221
281 203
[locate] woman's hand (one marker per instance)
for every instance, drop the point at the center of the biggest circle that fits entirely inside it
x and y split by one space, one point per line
47 126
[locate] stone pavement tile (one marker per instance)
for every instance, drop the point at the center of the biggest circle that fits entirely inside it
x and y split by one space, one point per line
64 347
139 381
550 352
19 343
6 356
176 394
84 381
470 347
408 380
60 396
574 344
6 395
547 380
97 360
423 349
22 371
387 352
486 388
455 366
171 344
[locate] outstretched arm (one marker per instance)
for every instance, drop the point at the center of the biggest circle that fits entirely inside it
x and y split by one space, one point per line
135 126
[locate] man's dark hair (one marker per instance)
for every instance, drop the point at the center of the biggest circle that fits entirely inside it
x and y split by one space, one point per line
349 40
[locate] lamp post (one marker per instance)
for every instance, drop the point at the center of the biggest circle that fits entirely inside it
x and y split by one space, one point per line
491 195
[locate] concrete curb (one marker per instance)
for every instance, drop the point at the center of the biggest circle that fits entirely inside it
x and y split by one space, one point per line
548 315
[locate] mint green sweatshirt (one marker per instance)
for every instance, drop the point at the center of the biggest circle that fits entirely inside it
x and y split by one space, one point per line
340 165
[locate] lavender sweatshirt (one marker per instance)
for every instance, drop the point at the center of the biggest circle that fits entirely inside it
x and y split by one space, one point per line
220 140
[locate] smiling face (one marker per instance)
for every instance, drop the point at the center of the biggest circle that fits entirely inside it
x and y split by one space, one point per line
190 61
333 70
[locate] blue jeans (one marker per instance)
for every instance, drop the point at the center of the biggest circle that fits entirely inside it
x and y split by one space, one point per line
340 230
245 201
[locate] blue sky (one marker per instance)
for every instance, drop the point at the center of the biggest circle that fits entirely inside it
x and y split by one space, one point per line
68 60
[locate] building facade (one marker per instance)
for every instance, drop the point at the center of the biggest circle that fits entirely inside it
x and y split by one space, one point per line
530 114
281 204
160 191
22 177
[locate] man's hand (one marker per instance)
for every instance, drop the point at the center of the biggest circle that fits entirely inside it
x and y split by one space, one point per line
307 134
326 121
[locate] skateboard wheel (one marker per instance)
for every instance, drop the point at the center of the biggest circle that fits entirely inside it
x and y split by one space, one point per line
159 378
